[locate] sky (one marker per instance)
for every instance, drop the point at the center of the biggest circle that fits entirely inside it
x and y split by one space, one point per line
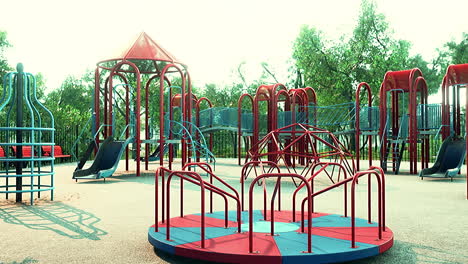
61 38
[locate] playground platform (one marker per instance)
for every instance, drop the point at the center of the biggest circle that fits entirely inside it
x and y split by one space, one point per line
101 222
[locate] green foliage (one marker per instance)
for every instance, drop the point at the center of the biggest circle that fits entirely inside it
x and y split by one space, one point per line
4 44
452 53
458 52
335 69
71 103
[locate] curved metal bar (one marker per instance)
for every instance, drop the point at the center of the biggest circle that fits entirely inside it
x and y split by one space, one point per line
239 122
197 122
353 205
113 72
279 175
357 124
244 175
202 198
161 103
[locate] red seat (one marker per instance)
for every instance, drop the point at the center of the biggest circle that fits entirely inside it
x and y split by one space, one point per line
2 152
27 151
58 153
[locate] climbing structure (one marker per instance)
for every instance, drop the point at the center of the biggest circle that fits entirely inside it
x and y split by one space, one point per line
122 103
455 79
399 95
303 145
26 128
283 107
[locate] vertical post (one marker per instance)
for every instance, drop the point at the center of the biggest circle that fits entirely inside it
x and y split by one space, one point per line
19 133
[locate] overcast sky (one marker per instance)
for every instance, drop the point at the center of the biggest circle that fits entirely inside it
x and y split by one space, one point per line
60 38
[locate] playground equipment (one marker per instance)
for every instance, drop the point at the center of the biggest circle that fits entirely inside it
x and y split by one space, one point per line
455 78
399 120
121 101
449 160
106 161
267 236
27 127
299 105
294 110
302 144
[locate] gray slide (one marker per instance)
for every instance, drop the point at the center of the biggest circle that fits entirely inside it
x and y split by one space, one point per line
449 159
106 160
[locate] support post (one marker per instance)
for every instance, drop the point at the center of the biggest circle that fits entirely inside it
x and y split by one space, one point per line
19 133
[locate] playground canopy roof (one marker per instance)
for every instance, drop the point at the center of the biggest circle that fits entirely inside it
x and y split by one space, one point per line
457 74
149 56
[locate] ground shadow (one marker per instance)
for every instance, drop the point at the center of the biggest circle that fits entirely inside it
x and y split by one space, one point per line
27 260
63 219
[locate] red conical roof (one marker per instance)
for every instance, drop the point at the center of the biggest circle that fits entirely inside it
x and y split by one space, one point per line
143 49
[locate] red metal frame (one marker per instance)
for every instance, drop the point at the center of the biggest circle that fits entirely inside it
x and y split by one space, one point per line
185 106
144 49
272 211
239 125
455 77
379 174
196 179
357 124
247 169
307 136
197 114
398 82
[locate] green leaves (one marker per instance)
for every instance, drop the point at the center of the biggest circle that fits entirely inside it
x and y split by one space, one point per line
335 69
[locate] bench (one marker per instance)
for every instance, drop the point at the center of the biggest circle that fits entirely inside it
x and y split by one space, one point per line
27 151
58 153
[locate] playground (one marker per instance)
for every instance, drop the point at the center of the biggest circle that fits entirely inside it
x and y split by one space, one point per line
370 181
95 222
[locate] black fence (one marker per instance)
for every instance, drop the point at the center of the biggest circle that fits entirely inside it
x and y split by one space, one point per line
224 144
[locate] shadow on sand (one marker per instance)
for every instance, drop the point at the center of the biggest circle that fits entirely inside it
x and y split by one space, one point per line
64 220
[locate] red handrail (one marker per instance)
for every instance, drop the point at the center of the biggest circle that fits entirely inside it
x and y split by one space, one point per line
310 180
381 199
204 166
309 214
245 174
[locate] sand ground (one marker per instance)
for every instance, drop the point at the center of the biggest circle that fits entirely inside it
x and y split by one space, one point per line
107 222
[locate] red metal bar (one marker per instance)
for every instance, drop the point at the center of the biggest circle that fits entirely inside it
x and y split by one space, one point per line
137 143
202 197
197 115
353 205
159 171
245 174
309 214
97 114
357 125
301 186
272 206
239 123
161 101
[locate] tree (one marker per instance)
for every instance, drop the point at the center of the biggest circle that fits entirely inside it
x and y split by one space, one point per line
451 53
4 44
458 52
336 68
70 103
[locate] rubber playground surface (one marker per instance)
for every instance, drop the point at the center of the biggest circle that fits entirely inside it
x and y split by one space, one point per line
94 221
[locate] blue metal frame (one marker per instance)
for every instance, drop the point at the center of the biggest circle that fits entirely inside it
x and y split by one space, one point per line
35 134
